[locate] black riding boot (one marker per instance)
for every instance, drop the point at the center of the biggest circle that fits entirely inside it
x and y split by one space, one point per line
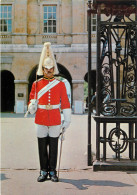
53 150
43 158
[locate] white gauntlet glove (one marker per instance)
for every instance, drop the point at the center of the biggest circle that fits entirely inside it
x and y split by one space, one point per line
62 137
67 119
32 108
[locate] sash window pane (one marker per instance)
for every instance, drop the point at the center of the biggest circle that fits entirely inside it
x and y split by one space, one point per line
49 8
49 19
5 18
94 22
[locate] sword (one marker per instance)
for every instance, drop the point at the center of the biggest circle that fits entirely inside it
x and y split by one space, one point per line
26 114
61 134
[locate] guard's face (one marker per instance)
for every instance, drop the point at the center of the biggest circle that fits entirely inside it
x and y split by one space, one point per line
48 72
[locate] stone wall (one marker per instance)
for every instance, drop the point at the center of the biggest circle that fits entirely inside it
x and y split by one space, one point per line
24 45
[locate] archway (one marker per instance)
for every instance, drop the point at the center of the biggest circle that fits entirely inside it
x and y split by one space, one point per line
7 91
33 78
93 80
93 85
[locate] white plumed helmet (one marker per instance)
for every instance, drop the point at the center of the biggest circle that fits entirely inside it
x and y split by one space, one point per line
47 59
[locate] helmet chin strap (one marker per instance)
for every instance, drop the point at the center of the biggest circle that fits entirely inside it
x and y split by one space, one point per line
49 77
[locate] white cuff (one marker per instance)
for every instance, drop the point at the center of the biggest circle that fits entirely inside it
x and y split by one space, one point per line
67 118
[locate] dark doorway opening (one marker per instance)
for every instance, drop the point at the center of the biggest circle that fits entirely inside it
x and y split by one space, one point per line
7 91
32 78
93 80
93 88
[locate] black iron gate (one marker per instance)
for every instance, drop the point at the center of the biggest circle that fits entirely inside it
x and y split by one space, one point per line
116 87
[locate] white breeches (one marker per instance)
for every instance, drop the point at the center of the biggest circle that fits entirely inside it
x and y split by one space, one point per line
44 131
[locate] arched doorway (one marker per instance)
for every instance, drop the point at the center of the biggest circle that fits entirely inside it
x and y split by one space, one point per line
93 86
93 80
63 72
7 91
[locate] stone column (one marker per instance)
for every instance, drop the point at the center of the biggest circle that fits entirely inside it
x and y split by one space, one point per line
21 96
78 96
33 23
65 25
78 25
20 22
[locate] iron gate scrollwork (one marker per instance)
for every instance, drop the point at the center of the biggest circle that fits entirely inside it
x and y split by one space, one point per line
116 74
116 134
120 60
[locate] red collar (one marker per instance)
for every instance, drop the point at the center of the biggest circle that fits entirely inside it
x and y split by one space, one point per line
49 79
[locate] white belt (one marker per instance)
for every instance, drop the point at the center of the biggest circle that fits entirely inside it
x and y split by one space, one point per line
49 107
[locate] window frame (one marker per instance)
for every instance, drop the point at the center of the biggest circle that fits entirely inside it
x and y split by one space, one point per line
92 18
42 16
11 18
48 20
94 25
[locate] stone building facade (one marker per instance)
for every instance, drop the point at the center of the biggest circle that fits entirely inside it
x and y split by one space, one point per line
25 26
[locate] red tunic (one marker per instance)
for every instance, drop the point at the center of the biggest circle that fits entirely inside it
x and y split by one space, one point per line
56 95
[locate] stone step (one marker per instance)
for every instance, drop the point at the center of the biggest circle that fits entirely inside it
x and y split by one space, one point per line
114 165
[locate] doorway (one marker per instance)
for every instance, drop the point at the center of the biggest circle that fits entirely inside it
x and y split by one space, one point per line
7 91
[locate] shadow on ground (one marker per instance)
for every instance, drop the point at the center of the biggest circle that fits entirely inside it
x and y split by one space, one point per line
14 115
83 184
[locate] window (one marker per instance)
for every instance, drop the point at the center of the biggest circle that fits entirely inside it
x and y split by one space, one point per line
6 18
49 23
93 22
